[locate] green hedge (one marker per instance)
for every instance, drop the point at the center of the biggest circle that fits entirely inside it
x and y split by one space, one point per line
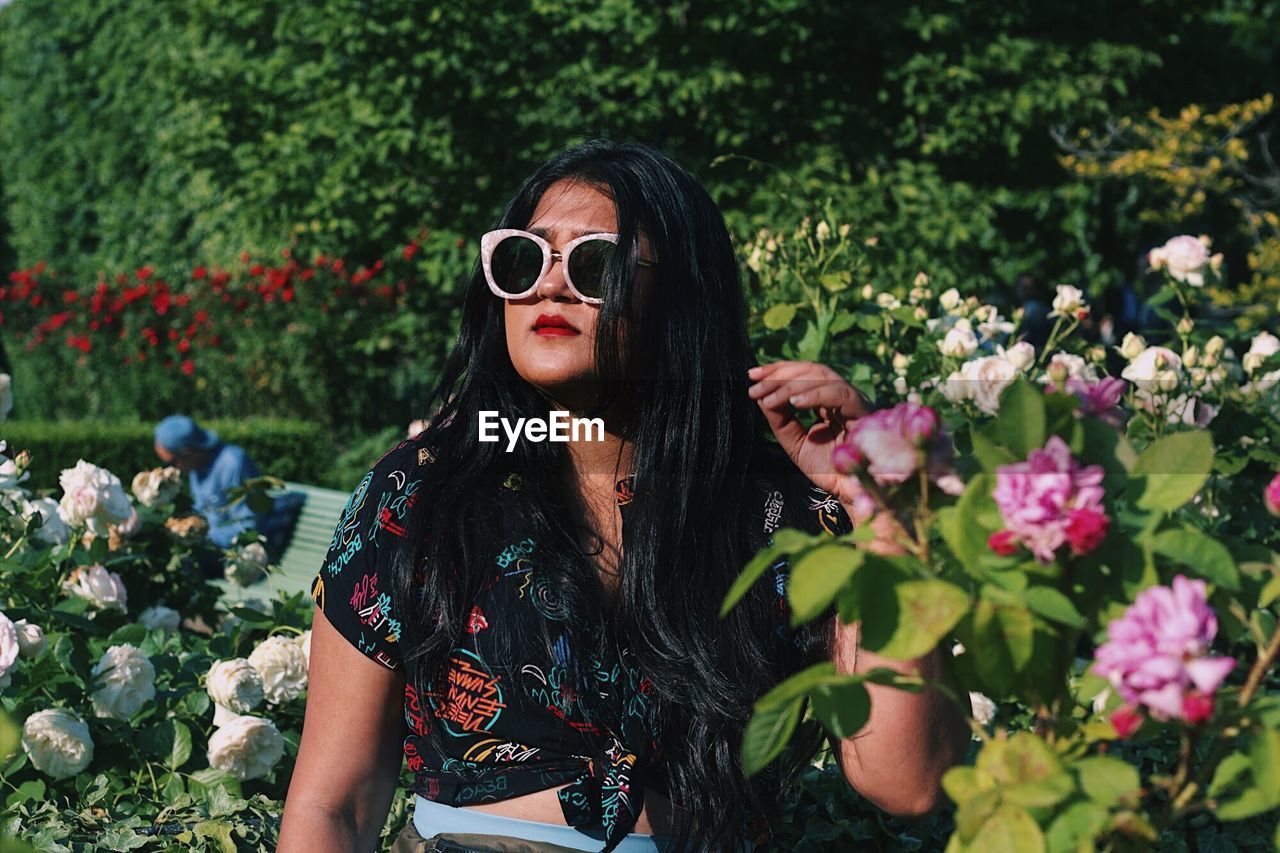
292 450
176 133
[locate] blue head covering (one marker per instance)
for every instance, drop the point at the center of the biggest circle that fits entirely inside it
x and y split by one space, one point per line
179 432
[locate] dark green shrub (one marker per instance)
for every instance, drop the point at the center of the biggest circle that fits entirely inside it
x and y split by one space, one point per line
292 450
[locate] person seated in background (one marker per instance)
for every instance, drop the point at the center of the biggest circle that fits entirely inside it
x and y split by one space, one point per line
213 468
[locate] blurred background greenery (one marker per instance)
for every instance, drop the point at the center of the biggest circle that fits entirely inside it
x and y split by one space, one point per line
147 148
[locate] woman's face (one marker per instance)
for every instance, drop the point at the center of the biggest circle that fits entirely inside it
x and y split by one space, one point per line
559 360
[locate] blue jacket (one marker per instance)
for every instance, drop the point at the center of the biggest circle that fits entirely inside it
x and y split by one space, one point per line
229 466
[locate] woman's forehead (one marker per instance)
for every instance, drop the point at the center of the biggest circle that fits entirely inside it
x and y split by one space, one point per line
570 209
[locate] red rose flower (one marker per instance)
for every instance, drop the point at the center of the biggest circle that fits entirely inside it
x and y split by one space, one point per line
1003 542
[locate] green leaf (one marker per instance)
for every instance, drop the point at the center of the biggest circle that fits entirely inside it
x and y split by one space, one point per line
963 783
990 454
218 831
10 735
1024 757
842 706
1021 422
905 619
837 281
32 789
1175 468
1108 781
1078 822
817 576
779 316
785 541
799 684
181 749
1009 830
1205 556
960 526
1228 771
1270 592
1053 605
767 733
974 813
1264 758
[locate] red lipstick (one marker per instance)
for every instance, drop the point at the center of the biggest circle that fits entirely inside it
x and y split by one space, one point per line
553 325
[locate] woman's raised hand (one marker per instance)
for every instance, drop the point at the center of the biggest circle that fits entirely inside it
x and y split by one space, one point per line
784 387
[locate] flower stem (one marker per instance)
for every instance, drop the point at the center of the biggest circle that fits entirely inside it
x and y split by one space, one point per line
1260 667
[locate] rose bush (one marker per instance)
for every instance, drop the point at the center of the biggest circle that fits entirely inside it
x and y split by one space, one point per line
1108 569
134 723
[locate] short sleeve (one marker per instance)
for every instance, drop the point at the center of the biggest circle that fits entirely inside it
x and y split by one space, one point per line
354 587
791 500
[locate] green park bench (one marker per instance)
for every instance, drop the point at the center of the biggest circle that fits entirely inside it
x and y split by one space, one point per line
305 551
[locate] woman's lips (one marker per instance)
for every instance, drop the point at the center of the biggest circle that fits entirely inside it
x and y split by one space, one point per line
553 325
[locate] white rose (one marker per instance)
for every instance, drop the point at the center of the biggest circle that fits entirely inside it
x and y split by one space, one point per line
127 679
1155 369
1215 345
955 388
96 585
960 341
1022 354
6 395
9 648
1133 346
157 486
52 530
31 639
246 747
1184 257
58 743
1261 348
305 642
950 299
283 666
93 496
159 616
1064 365
1068 301
130 525
984 710
991 324
1191 411
10 479
249 564
888 301
986 378
234 685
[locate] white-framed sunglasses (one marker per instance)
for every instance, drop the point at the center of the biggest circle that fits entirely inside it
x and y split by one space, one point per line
516 261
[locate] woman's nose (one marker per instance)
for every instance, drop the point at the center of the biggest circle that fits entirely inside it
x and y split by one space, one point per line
553 285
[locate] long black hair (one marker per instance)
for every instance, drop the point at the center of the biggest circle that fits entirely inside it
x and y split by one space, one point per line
697 441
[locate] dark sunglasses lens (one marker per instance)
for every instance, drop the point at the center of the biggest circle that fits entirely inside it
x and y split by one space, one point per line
587 265
515 264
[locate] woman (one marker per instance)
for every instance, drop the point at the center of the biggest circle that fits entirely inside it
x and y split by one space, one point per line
534 624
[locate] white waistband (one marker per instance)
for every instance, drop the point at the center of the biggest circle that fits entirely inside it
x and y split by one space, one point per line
432 818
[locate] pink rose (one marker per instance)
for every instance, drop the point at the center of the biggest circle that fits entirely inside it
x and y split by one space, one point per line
1126 719
1037 499
1086 528
1003 542
890 441
1157 653
1196 707
1099 398
1271 496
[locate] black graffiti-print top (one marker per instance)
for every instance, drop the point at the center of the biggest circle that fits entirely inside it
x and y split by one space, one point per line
514 727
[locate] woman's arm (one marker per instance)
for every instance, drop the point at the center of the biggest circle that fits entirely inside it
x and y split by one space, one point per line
350 753
898 758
